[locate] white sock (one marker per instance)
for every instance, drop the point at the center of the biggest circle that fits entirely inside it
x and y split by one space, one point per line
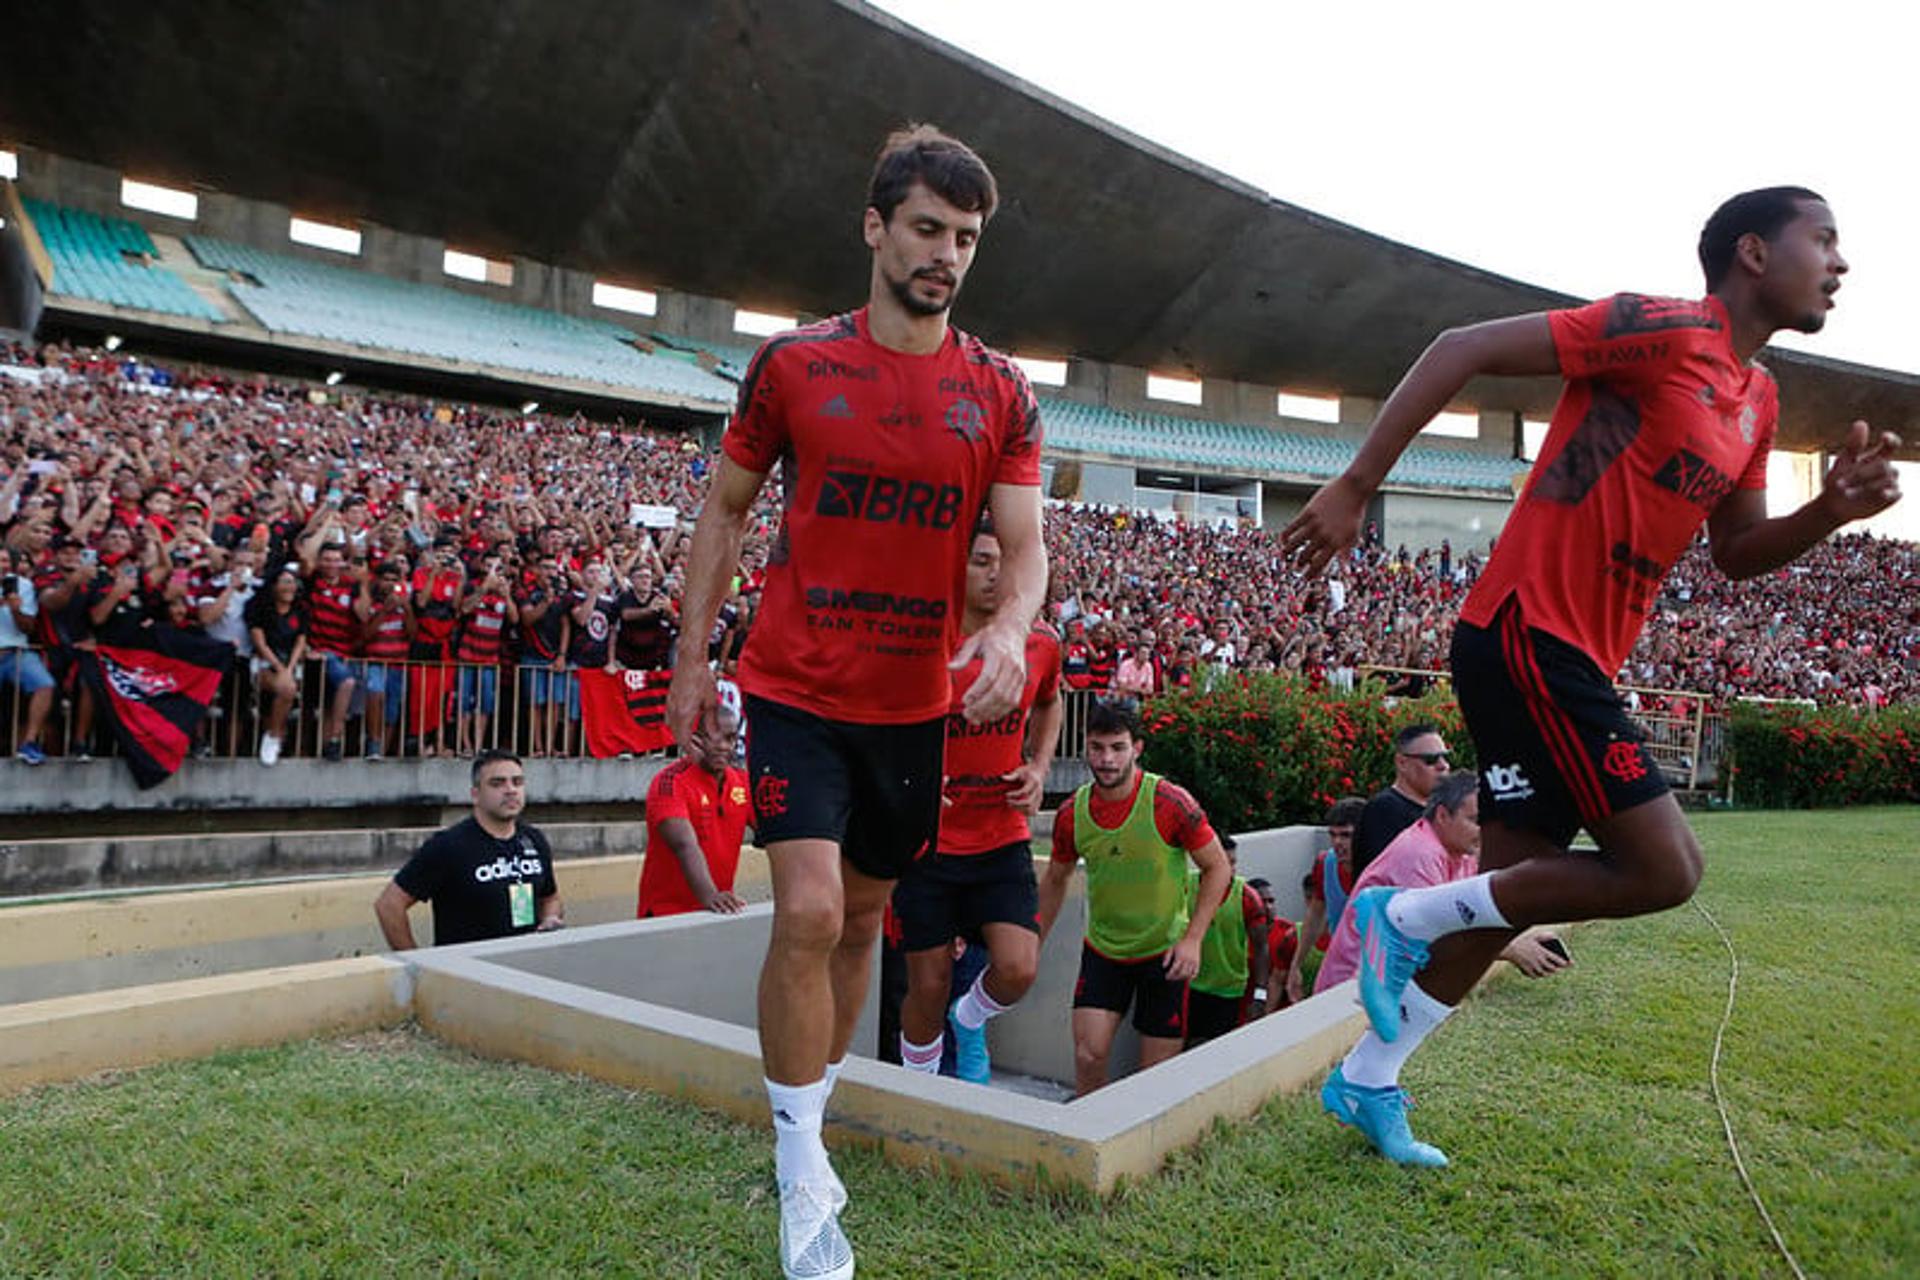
1375 1064
798 1153
924 1058
833 1078
974 1008
1442 909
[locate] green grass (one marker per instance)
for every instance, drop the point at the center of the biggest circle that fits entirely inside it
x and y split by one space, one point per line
1576 1110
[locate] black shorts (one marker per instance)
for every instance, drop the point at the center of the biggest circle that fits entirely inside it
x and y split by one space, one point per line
944 896
872 789
1159 1003
1209 1016
1556 747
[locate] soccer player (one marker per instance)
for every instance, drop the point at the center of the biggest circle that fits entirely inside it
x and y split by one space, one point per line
1234 956
980 877
892 430
1665 421
1136 833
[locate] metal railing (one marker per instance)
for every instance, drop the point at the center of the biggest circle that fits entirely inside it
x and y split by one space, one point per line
425 709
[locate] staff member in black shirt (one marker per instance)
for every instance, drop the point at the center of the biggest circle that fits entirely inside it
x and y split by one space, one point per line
1419 762
488 876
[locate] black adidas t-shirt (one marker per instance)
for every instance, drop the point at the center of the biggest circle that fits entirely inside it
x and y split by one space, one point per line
1387 814
469 876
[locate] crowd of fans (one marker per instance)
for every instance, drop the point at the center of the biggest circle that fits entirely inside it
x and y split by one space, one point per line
339 540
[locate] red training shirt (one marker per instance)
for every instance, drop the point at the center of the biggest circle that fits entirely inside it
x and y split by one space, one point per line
1658 423
717 808
978 818
886 460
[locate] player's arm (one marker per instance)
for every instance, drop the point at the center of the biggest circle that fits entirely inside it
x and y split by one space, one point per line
1059 873
1861 483
680 838
1310 930
1262 963
711 564
1519 346
1001 645
1216 877
1043 736
390 909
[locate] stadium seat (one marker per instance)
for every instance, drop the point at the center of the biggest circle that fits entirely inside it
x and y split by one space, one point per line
90 260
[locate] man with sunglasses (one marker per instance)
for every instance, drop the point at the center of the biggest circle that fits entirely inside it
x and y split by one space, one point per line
1419 762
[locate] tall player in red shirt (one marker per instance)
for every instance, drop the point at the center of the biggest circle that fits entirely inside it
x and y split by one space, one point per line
1665 422
892 432
980 874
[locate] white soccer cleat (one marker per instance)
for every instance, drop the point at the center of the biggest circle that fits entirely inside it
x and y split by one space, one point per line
812 1245
269 750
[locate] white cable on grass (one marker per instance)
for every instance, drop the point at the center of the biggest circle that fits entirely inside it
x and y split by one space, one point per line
1713 1079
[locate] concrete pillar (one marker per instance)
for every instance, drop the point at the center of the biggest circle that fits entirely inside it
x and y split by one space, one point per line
693 315
402 256
1358 411
252 222
75 183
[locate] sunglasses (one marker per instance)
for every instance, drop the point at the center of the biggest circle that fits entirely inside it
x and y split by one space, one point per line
1428 758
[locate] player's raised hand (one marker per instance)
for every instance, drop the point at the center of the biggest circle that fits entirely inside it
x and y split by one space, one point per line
693 707
1002 651
1328 525
1862 480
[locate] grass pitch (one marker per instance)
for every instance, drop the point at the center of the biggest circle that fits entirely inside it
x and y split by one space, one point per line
1576 1111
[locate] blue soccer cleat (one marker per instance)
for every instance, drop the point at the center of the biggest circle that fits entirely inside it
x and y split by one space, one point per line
1380 1114
1388 960
970 1060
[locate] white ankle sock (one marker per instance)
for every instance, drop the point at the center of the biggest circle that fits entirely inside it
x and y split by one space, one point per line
833 1078
1375 1064
924 1058
974 1008
798 1153
1442 909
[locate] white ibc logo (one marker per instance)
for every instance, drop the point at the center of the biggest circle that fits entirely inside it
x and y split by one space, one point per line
1507 782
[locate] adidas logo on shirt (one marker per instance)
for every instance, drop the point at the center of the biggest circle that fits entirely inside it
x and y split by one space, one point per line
836 408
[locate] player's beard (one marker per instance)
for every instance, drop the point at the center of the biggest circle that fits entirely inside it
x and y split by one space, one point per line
903 293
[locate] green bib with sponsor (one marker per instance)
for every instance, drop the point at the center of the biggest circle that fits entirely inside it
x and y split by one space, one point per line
1136 881
1223 951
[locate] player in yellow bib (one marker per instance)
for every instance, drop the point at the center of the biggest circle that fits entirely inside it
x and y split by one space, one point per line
1233 958
1136 833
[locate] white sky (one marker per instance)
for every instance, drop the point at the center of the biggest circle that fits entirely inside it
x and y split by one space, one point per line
1579 149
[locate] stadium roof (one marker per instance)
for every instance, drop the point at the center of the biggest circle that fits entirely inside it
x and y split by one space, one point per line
722 147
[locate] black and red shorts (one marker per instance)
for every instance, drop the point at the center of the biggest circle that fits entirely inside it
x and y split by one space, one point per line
1209 1016
1556 747
1159 1003
872 789
944 896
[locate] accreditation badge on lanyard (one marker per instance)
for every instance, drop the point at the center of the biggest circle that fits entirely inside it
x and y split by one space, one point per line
520 894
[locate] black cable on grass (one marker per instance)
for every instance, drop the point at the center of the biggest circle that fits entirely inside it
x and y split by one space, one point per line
1719 1101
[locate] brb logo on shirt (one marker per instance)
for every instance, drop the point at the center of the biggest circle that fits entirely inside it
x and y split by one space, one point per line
856 495
1507 782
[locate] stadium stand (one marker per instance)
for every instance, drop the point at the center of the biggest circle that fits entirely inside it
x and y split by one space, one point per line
292 295
1074 427
112 260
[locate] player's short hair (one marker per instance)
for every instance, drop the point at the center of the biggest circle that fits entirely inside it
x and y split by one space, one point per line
1115 715
492 755
1412 734
1346 811
1763 213
1451 792
948 167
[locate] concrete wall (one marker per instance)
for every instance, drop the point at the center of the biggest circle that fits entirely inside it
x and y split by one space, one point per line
99 943
91 788
1422 520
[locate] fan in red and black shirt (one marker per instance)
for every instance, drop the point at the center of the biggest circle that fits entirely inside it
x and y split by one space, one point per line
978 882
333 637
892 431
487 612
1664 424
